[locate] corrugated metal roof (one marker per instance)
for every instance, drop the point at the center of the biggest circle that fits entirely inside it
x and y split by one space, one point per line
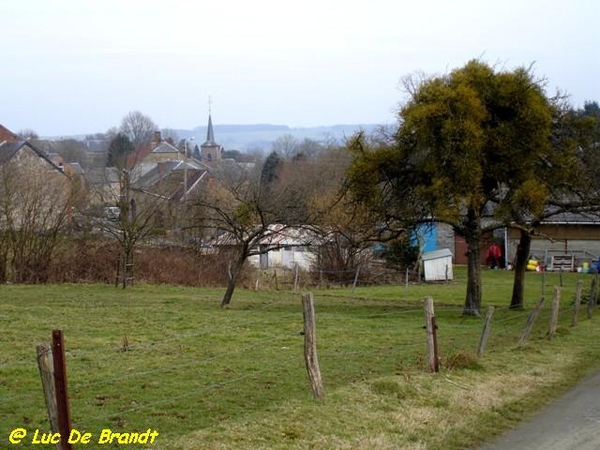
588 218
277 235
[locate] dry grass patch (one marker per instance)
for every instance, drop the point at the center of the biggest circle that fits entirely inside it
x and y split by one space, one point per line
413 411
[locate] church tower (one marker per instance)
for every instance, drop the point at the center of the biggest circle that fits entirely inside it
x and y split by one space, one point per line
210 150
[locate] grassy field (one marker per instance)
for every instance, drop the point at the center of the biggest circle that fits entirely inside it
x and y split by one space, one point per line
169 359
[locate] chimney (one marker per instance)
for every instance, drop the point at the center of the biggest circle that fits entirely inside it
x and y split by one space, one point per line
157 138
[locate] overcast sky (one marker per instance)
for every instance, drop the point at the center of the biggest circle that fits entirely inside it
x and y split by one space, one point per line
76 66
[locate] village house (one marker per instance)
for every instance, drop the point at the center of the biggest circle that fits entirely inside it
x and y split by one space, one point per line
30 179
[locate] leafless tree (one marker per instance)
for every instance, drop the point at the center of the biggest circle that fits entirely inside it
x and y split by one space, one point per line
28 134
71 150
36 201
170 135
247 210
122 212
139 128
242 216
285 145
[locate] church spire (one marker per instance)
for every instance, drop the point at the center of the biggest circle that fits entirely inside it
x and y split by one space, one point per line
210 134
210 150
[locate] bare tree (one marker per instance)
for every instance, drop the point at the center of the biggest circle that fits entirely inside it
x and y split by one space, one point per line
249 210
242 216
139 128
28 134
71 150
348 230
123 212
285 145
36 201
170 135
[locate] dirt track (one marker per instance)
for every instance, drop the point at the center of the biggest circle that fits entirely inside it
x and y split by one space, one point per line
572 422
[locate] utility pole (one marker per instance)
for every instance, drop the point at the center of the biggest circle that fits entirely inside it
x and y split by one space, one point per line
185 167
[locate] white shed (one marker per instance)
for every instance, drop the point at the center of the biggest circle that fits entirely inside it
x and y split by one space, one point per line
437 265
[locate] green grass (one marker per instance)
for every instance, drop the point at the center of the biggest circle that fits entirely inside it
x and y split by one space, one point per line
234 378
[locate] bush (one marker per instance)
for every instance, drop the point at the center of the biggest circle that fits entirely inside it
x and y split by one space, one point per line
94 260
401 253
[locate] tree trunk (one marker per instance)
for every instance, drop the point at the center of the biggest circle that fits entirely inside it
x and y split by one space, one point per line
124 268
523 249
127 264
232 280
473 240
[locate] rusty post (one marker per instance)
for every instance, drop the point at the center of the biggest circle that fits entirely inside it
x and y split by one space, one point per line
60 383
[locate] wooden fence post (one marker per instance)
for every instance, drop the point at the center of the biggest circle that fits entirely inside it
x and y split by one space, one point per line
60 384
430 326
355 278
310 346
530 321
554 315
577 304
543 283
296 276
560 276
487 326
593 298
118 272
46 367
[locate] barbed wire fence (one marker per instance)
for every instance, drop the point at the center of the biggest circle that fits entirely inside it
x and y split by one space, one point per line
109 398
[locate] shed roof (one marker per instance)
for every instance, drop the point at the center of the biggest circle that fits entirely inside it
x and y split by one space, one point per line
437 254
574 218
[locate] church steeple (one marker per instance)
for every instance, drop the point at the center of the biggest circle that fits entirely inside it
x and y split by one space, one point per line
210 150
210 134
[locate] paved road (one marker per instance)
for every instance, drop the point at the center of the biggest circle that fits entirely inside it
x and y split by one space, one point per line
571 423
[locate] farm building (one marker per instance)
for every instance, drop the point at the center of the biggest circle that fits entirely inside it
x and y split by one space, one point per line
286 248
280 247
564 237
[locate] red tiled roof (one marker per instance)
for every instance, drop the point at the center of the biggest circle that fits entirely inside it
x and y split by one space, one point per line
7 135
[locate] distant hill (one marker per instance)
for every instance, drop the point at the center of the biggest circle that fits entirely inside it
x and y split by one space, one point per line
261 136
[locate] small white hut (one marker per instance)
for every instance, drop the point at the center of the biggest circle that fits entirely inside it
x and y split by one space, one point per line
437 265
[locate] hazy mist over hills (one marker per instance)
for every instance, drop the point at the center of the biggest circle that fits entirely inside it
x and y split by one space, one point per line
261 136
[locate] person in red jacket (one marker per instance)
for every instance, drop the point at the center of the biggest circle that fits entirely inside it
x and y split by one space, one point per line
494 256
